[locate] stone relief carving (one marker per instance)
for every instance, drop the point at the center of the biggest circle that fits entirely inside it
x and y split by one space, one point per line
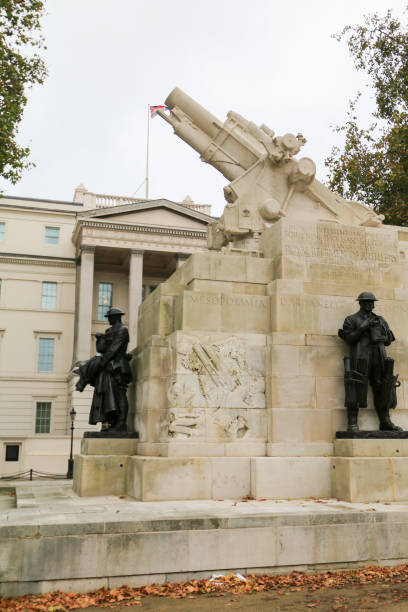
232 426
182 426
215 378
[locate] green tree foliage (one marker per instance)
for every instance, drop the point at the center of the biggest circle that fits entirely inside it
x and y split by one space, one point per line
373 165
20 68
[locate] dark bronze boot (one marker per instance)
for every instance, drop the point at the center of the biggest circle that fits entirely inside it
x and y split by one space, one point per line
385 422
352 415
383 414
121 424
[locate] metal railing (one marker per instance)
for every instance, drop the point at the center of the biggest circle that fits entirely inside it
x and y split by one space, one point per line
32 474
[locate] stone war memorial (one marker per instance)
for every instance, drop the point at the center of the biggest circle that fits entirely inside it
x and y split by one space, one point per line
267 411
240 384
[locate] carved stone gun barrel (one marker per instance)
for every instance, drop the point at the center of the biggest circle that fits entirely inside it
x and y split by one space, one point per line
266 181
203 119
231 147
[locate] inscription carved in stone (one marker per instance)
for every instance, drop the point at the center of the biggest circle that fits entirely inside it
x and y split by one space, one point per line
318 301
340 244
215 299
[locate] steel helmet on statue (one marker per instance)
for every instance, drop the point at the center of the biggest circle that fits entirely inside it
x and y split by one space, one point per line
114 311
366 296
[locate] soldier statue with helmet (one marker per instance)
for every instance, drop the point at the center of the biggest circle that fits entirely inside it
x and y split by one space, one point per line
109 373
368 334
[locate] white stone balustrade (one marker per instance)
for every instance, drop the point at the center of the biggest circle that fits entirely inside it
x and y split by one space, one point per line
92 200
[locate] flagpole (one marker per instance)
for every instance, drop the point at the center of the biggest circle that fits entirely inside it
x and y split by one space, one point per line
147 152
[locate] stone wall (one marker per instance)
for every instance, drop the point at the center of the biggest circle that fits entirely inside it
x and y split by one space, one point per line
105 552
239 357
244 350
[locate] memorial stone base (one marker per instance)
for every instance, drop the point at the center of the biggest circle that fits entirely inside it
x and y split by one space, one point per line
239 368
113 467
101 467
54 540
370 469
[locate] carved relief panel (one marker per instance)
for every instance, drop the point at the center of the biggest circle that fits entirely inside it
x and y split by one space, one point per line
217 389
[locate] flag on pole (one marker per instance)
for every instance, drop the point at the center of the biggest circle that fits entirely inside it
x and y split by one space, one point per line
154 109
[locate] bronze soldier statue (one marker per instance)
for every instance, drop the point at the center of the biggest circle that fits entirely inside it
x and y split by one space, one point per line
109 373
368 335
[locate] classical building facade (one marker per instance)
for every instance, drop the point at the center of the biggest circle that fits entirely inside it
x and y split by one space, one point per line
62 265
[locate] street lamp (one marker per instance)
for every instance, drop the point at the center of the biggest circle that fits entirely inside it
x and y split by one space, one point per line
70 472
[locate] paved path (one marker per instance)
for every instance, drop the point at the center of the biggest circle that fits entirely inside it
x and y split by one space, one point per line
356 598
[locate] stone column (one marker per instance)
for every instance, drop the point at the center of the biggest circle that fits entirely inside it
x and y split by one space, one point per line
181 258
83 313
135 293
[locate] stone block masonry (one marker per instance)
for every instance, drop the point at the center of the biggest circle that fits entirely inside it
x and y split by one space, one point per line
240 371
365 470
73 543
148 478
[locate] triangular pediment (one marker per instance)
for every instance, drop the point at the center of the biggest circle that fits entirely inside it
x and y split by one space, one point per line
161 213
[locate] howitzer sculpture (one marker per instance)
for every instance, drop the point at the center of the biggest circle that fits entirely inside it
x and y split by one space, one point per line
267 183
237 389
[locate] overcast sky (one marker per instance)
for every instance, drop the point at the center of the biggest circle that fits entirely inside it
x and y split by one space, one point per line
272 62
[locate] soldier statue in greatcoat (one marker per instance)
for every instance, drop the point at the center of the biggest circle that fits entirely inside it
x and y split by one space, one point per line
109 373
368 334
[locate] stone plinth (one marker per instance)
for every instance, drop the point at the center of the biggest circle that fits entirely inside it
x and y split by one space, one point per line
370 469
239 365
165 478
372 447
108 446
154 478
290 477
118 470
148 478
101 467
100 474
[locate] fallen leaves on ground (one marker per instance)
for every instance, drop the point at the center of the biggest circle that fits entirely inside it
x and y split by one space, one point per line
61 602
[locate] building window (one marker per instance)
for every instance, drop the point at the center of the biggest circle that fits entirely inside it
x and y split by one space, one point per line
105 291
46 355
49 295
12 452
2 231
43 417
52 235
